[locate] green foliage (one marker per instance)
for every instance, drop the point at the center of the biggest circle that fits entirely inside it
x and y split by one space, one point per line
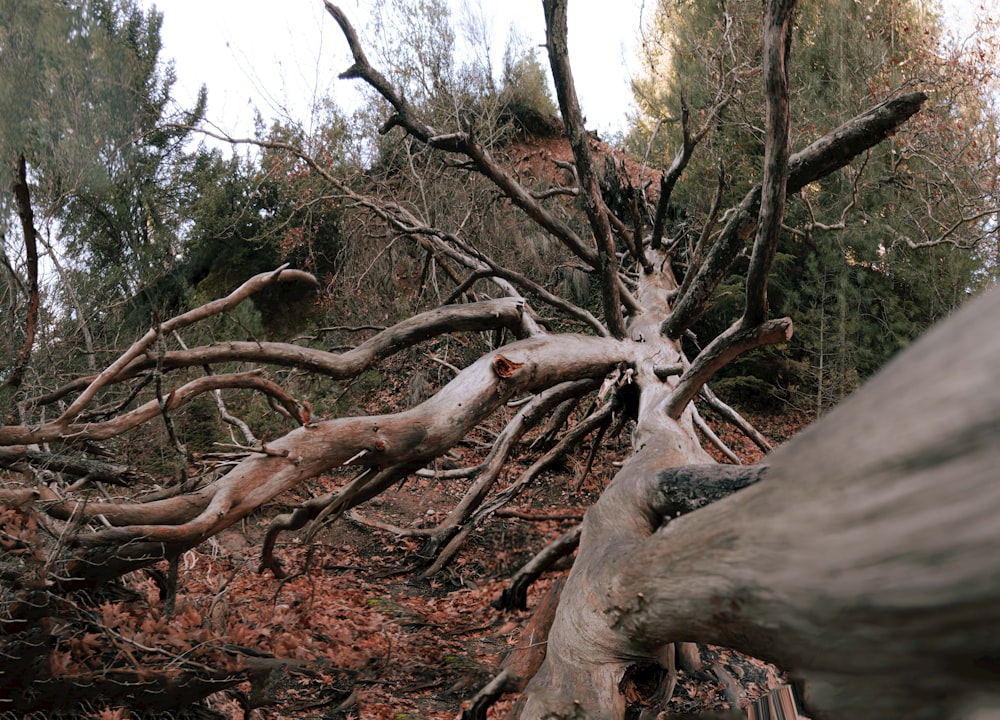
254 213
525 93
854 285
199 427
391 273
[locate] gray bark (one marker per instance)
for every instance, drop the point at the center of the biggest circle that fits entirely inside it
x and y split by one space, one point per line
865 564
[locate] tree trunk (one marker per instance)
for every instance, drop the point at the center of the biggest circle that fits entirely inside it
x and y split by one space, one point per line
22 196
865 564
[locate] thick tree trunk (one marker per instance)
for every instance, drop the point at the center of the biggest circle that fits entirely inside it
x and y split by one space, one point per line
865 564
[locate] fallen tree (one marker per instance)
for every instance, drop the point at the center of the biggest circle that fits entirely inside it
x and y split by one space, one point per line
864 562
616 608
137 534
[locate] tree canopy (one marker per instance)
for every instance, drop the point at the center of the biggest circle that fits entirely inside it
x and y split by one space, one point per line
87 99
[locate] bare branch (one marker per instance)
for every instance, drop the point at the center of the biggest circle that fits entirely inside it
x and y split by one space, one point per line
528 417
459 142
730 344
528 286
490 314
735 418
138 348
365 486
515 596
777 42
411 436
945 238
697 253
93 470
593 205
689 140
708 432
178 397
829 153
22 197
570 441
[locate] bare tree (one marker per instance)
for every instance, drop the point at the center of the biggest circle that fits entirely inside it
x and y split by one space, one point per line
751 571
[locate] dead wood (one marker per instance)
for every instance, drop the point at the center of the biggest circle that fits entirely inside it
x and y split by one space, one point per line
855 571
22 197
585 655
591 196
734 418
414 435
515 595
485 315
527 418
523 661
831 152
638 588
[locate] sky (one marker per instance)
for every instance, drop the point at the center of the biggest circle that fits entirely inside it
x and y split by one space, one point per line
281 56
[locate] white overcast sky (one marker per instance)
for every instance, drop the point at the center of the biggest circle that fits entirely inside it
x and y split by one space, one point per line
277 56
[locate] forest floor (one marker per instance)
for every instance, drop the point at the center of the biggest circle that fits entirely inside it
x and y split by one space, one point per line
353 631
364 637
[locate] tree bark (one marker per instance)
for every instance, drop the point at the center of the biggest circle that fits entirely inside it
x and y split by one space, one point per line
865 564
591 196
22 196
777 43
586 655
831 152
411 436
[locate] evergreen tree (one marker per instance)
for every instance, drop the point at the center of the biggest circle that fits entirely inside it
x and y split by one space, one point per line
882 249
87 103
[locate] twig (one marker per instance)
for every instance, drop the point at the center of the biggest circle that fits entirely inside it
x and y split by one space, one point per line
475 708
700 423
735 418
515 596
535 517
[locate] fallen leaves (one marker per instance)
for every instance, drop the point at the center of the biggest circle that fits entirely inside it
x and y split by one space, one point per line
352 634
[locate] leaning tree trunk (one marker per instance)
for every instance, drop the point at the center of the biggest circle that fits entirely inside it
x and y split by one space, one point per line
866 563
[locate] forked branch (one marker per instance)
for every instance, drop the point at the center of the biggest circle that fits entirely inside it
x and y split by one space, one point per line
138 348
462 143
728 345
753 329
486 315
141 533
828 154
